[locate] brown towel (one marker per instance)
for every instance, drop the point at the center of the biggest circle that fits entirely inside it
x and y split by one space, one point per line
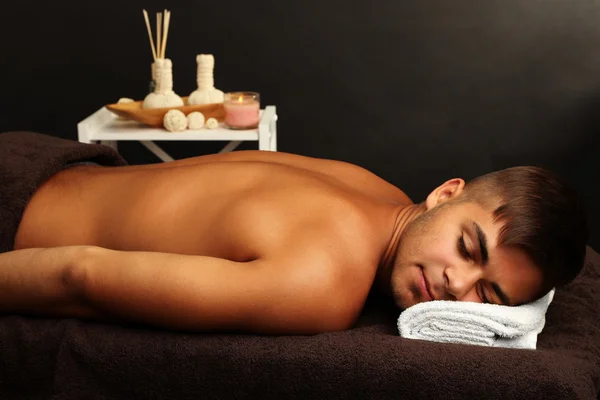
27 160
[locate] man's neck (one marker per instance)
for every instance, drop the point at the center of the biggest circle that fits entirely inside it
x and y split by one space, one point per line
384 270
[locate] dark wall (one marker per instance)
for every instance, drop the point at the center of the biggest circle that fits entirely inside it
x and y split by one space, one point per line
416 91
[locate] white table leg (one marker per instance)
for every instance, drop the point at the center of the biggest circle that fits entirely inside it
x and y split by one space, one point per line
231 146
273 142
158 152
265 133
110 143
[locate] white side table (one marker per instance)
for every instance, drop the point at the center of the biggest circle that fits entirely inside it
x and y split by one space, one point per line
104 127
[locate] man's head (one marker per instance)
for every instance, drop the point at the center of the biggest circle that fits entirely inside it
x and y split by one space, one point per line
506 238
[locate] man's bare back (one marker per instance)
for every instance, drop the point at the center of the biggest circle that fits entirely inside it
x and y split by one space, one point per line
307 224
238 206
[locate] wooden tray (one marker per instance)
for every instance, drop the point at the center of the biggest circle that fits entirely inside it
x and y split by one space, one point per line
154 116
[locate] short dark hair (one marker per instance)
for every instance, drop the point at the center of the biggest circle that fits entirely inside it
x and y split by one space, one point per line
542 215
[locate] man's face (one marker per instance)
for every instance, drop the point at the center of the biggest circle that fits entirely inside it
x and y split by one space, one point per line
450 253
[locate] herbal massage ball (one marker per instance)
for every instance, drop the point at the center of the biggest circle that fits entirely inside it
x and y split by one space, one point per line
195 120
124 100
163 96
206 92
175 121
212 123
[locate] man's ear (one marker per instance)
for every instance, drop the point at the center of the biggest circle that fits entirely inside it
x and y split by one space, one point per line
446 191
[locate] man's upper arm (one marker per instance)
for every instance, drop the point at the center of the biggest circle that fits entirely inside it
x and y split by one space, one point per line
205 293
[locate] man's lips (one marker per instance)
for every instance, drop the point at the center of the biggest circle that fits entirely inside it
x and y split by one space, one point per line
424 287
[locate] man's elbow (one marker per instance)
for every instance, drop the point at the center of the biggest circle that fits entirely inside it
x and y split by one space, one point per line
75 276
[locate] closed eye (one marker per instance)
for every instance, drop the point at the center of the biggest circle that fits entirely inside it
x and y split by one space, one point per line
482 295
462 248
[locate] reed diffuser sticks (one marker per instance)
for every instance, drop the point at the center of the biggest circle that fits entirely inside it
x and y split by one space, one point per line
162 33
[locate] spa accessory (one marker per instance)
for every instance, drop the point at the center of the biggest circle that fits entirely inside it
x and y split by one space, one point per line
242 110
206 92
175 121
476 323
124 100
162 68
163 95
154 116
195 120
212 123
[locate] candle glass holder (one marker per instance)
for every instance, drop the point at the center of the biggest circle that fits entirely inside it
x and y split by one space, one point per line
241 110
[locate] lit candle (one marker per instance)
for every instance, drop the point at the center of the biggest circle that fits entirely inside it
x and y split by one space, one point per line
241 110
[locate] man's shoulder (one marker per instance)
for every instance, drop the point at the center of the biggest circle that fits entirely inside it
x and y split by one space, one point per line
320 285
333 260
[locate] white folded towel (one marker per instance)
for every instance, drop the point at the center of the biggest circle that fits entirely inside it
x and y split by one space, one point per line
476 323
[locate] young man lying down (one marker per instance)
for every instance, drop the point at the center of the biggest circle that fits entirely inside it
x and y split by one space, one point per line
273 243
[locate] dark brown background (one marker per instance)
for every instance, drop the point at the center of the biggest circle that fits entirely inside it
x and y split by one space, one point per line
417 91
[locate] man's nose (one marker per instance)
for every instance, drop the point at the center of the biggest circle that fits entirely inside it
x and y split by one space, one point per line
461 279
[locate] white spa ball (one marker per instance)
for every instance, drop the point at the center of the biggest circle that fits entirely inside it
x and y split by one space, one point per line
162 100
212 123
175 121
195 120
124 100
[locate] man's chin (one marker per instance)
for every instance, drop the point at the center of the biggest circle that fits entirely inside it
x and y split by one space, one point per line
403 304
